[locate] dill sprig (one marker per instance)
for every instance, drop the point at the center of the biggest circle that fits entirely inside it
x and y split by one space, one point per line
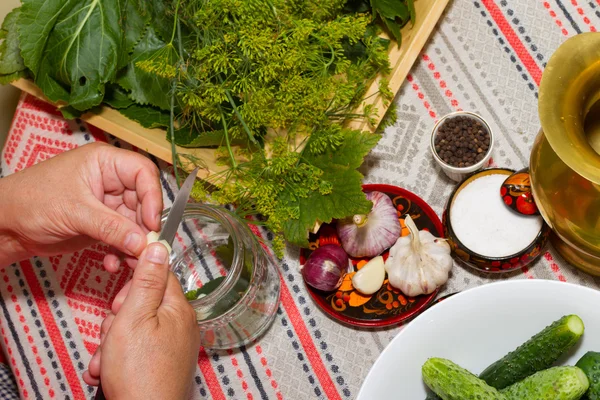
280 76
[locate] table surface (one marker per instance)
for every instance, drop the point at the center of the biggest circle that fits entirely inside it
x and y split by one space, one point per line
485 56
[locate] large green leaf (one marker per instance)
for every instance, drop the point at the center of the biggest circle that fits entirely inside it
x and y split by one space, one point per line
52 89
411 9
394 29
137 16
394 14
146 88
36 20
391 9
11 61
69 112
162 18
6 79
356 6
152 117
190 138
76 43
350 154
116 97
346 197
148 117
193 139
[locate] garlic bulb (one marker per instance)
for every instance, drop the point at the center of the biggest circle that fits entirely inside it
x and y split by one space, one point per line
418 263
369 235
370 277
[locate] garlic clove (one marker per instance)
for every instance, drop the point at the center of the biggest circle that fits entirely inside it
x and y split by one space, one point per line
370 277
152 237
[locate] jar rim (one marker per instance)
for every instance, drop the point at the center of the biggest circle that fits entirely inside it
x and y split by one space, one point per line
569 87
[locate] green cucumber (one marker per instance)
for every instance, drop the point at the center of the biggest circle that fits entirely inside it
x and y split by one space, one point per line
557 383
537 354
452 382
590 364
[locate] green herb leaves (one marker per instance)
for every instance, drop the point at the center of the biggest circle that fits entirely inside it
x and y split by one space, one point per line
11 62
394 14
226 74
346 197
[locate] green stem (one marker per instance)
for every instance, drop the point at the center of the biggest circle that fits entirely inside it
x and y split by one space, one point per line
226 133
331 49
179 41
174 154
238 115
175 22
180 64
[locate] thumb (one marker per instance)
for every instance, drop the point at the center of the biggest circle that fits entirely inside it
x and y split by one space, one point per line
149 281
174 295
108 226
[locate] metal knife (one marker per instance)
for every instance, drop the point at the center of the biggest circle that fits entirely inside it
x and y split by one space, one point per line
170 228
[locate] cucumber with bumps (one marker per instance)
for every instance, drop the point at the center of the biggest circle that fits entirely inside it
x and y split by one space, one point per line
537 354
451 382
558 383
590 364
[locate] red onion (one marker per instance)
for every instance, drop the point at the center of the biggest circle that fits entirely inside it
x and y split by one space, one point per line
325 268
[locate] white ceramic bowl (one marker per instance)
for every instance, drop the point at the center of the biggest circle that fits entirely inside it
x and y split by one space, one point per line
455 173
477 327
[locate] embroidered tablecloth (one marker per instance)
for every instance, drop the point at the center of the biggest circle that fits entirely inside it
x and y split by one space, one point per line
485 56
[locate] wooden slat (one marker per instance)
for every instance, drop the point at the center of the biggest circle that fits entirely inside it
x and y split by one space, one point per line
428 12
154 141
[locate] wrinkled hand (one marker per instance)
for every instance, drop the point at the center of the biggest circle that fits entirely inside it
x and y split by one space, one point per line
150 341
94 193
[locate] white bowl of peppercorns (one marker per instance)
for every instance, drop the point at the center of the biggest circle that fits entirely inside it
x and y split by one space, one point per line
461 143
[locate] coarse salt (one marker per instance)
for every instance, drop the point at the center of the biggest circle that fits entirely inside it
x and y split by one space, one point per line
485 225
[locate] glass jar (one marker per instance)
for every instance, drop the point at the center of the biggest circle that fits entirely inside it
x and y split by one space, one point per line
565 157
228 277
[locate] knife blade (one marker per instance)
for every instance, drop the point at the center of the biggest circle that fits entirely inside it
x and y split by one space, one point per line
176 213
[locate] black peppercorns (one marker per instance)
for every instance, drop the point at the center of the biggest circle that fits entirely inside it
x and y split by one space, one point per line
462 141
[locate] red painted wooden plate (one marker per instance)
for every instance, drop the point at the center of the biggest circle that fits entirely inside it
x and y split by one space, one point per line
388 306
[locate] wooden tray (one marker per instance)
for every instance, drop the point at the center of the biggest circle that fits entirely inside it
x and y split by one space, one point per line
427 12
154 141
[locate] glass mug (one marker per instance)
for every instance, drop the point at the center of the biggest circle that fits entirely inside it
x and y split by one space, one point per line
229 279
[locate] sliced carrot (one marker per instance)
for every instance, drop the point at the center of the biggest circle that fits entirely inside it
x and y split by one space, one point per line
405 231
357 299
347 283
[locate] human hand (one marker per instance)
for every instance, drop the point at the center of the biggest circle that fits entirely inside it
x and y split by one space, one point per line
96 192
149 343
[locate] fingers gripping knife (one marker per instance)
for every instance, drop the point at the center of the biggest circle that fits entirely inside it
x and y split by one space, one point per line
169 229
